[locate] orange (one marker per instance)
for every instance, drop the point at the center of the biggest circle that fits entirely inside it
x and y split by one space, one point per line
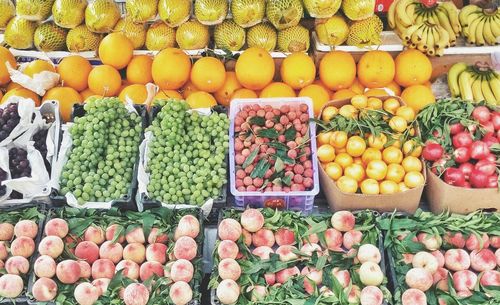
255 68
298 70
376 92
392 155
277 89
418 96
394 87
388 187
74 71
188 88
66 97
318 94
86 94
137 93
201 99
167 94
412 68
319 82
343 94
334 171
116 50
22 92
5 55
376 69
105 80
171 69
347 185
326 153
225 93
370 187
356 146
139 70
428 84
337 70
208 74
357 87
244 93
38 66
414 179
395 172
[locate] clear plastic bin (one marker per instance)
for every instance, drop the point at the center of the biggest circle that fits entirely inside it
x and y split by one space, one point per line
297 201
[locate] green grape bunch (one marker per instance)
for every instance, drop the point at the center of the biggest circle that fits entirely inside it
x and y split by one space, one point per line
186 160
105 148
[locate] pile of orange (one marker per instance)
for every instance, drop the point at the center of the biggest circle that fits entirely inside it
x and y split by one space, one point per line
373 163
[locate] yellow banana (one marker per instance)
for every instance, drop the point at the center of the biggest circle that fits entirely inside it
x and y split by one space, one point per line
471 30
422 45
432 17
465 82
495 26
465 12
445 23
488 34
406 35
489 97
495 87
391 18
444 38
453 75
476 89
417 35
452 12
439 52
410 12
479 32
430 41
401 12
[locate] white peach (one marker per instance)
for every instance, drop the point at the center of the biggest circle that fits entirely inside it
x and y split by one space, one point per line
136 294
351 238
183 270
181 293
17 265
227 249
419 278
45 266
27 228
188 226
11 286
425 260
228 292
370 274
130 269
52 246
252 220
186 248
369 253
68 271
263 237
342 276
6 231
86 294
229 269
44 289
95 234
22 246
371 295
473 243
263 252
56 227
285 236
482 260
333 239
136 235
286 253
457 259
343 221
111 251
430 242
229 229
413 296
464 280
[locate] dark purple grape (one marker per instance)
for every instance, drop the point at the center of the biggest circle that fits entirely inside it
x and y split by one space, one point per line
3 176
9 118
18 163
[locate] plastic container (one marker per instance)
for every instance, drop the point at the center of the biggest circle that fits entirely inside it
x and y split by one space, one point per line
127 202
297 201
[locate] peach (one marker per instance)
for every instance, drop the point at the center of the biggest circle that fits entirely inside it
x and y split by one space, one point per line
252 220
86 294
6 231
425 260
326 292
85 270
333 239
310 238
95 234
351 238
439 275
284 236
408 258
497 254
342 276
68 271
27 228
4 252
103 268
228 292
101 285
229 229
263 252
454 240
148 269
88 251
283 275
456 259
464 293
11 286
309 249
270 278
370 274
430 242
156 253
115 231
419 278
157 236
464 280
263 237
247 237
181 293
495 241
22 246
439 257
413 297
111 251
286 253
44 289
167 270
136 235
482 260
188 226
490 278
52 246
17 265
135 252
309 285
343 221
136 294
369 253
227 249
258 292
185 247
56 227
316 276
229 269
45 266
371 295
130 269
473 243
182 270
353 294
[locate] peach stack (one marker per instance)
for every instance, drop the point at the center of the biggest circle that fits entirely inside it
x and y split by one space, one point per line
102 252
253 238
17 245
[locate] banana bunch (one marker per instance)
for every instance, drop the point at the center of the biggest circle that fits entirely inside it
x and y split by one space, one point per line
429 29
475 83
480 26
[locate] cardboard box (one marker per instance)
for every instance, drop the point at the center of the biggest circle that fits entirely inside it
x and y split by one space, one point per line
443 197
337 200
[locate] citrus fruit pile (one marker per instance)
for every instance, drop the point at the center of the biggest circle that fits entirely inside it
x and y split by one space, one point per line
368 146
